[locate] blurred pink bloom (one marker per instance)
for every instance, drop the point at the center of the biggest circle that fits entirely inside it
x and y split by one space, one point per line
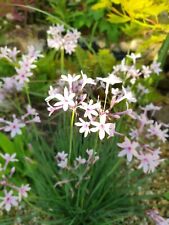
155 67
155 130
14 127
23 191
148 162
8 201
129 149
155 216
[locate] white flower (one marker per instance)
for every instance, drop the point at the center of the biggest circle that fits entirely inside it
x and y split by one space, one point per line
90 108
55 30
9 158
86 80
146 71
70 79
57 40
81 160
62 160
134 56
155 67
151 107
111 79
127 95
85 127
133 73
64 101
102 127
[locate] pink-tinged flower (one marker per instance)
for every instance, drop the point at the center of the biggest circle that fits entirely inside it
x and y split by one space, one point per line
134 134
151 107
55 30
13 53
64 101
155 67
9 84
62 159
133 73
9 54
52 109
30 110
85 127
70 79
9 158
86 80
57 40
23 75
155 216
33 54
146 71
127 94
143 119
81 160
26 64
14 127
129 149
148 162
8 201
23 191
102 127
92 156
134 57
111 79
71 40
90 108
121 67
155 130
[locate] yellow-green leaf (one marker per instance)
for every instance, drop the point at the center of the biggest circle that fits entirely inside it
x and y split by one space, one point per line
102 4
118 19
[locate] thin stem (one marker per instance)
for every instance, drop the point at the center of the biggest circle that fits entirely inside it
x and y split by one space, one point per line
27 94
92 33
71 134
62 61
106 94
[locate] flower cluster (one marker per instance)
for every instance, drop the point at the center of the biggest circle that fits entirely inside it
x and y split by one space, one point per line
62 159
129 70
67 41
79 170
9 54
96 116
101 115
12 194
23 69
155 216
15 126
143 144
